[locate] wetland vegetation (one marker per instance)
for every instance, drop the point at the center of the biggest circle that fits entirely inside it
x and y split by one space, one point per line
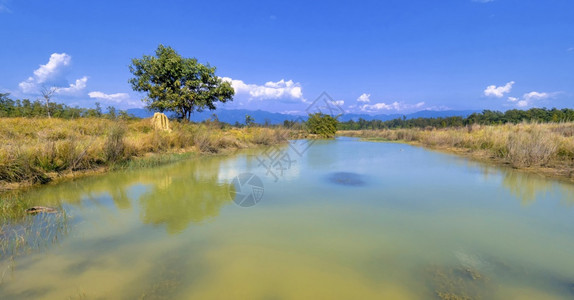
38 150
544 148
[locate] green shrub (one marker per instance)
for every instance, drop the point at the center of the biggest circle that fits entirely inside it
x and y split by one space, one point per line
323 125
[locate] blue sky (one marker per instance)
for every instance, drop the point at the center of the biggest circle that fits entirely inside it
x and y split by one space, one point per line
377 57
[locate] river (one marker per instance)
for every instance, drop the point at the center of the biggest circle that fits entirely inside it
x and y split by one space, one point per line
340 219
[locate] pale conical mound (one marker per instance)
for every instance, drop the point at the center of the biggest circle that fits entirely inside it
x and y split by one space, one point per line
160 121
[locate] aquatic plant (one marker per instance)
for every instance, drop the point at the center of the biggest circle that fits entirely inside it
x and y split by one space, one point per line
21 232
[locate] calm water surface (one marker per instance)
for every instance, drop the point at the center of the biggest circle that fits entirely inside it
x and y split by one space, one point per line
346 220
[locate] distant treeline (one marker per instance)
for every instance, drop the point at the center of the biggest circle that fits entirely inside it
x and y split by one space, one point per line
487 117
28 109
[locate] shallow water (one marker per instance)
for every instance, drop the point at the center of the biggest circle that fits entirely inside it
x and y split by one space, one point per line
345 219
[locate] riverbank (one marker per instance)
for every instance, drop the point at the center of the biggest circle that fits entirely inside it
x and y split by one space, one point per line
41 150
546 149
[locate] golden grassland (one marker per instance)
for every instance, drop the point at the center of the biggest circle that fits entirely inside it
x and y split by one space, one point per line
40 150
547 149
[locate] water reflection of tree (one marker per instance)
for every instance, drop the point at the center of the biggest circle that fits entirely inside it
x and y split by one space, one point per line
528 187
174 195
525 186
179 200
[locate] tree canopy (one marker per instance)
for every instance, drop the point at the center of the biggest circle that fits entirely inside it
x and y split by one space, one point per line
486 117
177 84
323 125
15 108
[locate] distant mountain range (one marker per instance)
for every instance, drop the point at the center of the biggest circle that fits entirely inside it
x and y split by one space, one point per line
232 116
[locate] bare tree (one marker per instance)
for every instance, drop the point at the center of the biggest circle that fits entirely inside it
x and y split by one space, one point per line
47 94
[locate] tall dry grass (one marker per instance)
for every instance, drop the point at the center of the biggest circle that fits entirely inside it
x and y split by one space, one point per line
535 146
35 150
521 145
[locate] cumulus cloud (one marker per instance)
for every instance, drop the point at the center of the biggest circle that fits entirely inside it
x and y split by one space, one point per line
498 91
270 90
338 102
522 103
79 85
535 96
529 98
28 86
365 98
54 68
53 74
397 106
117 97
120 99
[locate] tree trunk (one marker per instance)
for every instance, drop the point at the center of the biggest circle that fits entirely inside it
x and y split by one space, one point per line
48 109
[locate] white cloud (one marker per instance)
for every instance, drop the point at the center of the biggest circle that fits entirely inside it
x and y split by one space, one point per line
378 106
54 68
498 91
270 90
528 98
292 112
535 96
79 85
53 74
117 97
28 86
438 108
338 102
364 98
522 103
419 105
398 106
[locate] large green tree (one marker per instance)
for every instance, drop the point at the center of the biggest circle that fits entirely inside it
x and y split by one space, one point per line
323 125
178 84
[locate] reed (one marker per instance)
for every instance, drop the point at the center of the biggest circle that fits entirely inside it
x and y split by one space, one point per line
523 145
23 233
37 150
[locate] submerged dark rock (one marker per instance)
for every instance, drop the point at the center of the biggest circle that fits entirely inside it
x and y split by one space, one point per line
347 178
41 209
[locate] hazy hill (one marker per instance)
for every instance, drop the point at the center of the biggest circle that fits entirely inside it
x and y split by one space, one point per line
232 116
